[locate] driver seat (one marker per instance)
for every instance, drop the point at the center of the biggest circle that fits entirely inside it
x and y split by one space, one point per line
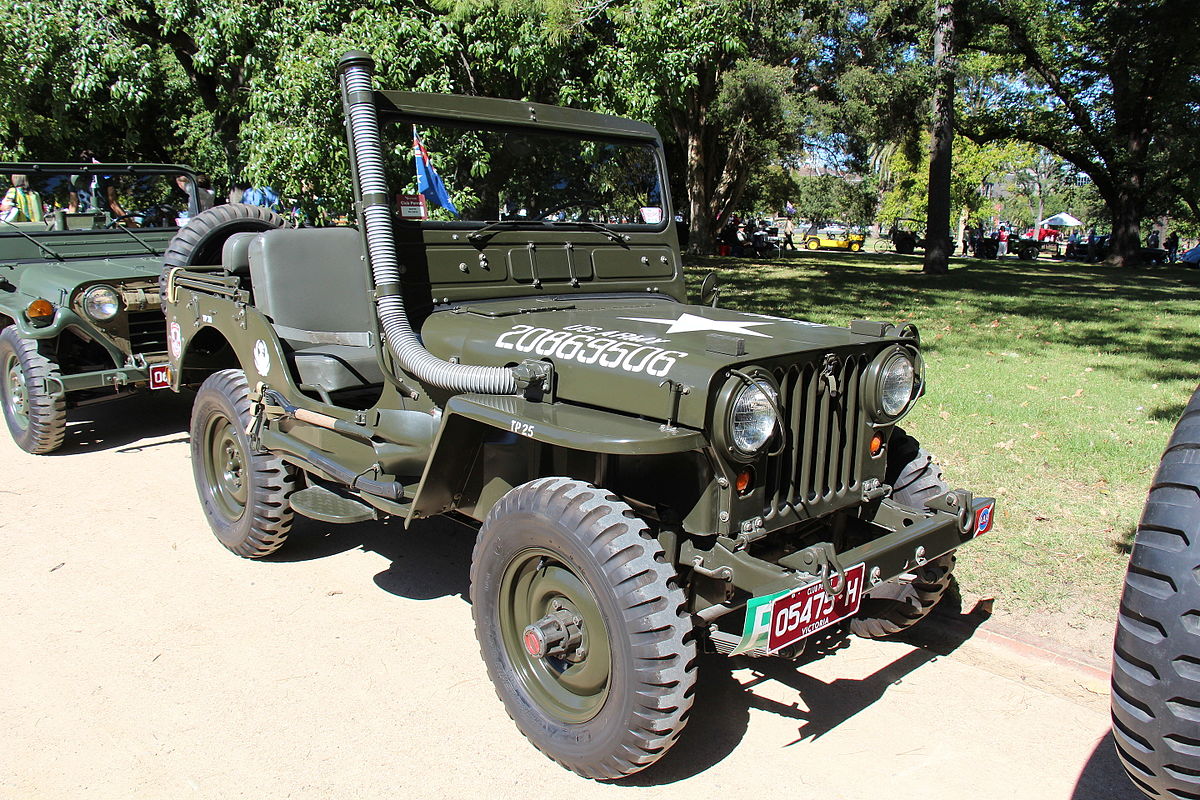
312 284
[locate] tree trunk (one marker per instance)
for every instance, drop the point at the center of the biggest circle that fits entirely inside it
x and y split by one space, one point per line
1126 244
937 224
701 236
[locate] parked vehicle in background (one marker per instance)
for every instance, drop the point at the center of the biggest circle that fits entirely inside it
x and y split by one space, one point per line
647 477
833 236
906 235
79 304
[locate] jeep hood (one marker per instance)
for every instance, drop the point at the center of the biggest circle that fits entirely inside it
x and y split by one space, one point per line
619 353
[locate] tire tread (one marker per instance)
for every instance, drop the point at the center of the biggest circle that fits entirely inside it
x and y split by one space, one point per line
1156 650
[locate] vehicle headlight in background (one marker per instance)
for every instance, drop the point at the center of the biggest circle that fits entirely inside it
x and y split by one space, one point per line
101 303
752 418
894 383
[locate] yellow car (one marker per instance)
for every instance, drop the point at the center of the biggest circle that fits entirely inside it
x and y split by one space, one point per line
834 238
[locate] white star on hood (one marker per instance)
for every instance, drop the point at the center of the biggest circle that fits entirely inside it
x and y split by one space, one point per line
687 323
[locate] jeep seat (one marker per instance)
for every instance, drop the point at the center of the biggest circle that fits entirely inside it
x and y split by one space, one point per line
312 284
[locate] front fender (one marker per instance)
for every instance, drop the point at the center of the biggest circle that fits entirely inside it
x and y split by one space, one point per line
471 420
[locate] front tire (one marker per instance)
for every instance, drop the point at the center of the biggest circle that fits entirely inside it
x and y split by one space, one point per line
1156 652
561 555
813 244
244 493
36 418
902 602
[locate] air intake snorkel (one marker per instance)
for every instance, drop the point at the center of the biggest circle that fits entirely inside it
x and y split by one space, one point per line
355 70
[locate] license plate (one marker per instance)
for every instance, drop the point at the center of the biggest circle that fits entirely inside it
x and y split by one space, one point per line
808 609
160 376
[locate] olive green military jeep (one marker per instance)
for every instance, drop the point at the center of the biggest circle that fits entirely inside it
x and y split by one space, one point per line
79 300
648 477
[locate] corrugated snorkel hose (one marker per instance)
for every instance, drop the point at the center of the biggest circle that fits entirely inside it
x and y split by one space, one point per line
366 159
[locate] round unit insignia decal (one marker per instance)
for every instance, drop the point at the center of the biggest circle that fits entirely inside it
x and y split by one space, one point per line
175 340
262 359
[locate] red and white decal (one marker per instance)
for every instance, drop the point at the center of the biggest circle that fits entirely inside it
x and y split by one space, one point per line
983 519
160 376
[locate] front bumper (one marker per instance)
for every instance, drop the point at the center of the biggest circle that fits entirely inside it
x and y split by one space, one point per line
909 538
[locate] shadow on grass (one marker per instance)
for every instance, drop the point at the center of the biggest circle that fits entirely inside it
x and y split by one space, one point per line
1090 307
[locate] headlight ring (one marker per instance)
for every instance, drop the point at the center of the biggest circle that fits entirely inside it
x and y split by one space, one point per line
750 414
893 382
101 303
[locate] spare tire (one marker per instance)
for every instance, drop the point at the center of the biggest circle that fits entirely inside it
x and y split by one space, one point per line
201 240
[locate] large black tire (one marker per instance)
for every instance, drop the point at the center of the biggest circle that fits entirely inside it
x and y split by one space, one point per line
1156 654
36 417
902 602
245 494
200 241
556 543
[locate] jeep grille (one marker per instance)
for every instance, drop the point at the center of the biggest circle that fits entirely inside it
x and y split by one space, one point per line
147 332
819 469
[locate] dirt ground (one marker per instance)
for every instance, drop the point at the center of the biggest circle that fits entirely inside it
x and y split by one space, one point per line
142 660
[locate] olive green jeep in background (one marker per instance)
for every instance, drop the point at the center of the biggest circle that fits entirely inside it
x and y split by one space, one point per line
648 477
79 301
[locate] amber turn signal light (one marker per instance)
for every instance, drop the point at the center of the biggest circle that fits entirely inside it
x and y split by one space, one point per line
876 444
744 479
40 311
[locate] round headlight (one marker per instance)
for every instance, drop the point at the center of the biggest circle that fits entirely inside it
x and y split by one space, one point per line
752 419
896 382
101 303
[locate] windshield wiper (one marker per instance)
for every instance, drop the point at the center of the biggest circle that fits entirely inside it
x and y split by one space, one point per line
495 226
511 224
140 241
39 245
598 227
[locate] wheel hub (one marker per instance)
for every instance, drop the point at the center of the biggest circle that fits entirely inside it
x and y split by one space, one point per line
559 634
18 394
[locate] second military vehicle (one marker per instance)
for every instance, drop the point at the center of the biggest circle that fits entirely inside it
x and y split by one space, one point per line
79 302
648 477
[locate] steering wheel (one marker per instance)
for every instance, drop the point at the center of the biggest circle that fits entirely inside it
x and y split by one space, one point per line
580 204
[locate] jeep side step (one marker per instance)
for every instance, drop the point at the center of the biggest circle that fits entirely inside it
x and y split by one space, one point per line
319 503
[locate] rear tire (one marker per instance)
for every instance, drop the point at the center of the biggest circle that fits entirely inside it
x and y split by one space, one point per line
615 700
1156 652
244 493
902 602
813 244
36 418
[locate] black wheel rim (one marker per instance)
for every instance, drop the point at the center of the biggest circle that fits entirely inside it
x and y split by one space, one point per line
536 582
226 468
16 392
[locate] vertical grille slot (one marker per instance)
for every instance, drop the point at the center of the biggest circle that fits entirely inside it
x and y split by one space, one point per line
147 332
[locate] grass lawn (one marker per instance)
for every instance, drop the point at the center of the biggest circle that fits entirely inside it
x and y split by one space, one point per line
1051 385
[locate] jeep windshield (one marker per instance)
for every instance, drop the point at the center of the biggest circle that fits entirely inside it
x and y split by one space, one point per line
67 197
515 178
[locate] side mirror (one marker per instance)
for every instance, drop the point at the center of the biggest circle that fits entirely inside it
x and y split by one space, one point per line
709 291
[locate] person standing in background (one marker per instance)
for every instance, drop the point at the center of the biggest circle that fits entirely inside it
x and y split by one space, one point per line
20 203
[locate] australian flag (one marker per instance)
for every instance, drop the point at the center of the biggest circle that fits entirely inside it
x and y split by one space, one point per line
429 183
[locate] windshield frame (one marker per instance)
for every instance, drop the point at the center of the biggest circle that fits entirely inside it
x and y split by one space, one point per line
399 109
